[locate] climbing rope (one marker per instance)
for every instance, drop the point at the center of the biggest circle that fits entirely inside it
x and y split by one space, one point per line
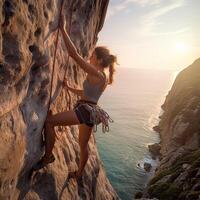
54 61
54 58
67 64
98 115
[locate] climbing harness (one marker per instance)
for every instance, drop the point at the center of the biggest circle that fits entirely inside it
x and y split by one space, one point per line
99 115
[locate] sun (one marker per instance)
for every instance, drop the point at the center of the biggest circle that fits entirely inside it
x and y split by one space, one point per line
181 47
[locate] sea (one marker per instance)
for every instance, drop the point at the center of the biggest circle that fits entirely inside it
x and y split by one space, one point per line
134 102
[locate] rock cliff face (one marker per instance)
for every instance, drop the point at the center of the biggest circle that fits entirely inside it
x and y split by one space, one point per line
178 175
27 48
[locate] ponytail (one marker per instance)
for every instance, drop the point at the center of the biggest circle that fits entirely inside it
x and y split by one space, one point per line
111 72
113 60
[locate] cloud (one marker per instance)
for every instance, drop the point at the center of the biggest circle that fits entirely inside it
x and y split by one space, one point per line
114 9
183 30
145 2
150 20
150 12
123 5
164 9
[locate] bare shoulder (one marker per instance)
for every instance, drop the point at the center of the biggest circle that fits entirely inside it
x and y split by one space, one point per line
102 76
100 79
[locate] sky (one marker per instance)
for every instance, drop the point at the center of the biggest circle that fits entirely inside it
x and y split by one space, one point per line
152 34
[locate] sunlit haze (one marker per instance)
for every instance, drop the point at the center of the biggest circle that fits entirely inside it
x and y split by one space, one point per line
153 34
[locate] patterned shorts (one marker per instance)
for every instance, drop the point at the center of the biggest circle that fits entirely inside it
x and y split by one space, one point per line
83 113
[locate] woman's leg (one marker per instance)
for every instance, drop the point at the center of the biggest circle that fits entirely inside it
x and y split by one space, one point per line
63 118
49 135
59 119
84 136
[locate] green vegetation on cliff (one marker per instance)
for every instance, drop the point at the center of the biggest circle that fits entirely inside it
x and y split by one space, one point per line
165 186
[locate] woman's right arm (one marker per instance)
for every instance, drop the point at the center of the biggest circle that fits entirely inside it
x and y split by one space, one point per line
75 91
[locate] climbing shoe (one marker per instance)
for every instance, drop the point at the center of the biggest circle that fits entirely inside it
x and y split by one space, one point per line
43 162
74 175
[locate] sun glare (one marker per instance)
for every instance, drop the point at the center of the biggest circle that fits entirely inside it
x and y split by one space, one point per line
181 47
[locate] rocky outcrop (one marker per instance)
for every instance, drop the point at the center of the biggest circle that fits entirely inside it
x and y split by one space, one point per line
154 149
178 174
27 49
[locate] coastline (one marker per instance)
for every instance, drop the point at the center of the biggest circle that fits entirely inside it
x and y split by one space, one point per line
177 176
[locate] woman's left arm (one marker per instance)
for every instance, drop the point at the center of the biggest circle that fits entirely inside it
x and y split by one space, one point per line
87 67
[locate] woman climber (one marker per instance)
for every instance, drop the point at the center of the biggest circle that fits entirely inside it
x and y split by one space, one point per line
86 112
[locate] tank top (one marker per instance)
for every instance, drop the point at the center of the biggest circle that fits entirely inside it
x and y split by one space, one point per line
93 92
